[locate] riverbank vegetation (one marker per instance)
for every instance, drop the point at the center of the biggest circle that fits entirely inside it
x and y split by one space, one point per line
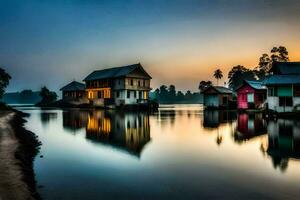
239 73
169 95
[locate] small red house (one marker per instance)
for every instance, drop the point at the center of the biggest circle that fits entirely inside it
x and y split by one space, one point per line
251 95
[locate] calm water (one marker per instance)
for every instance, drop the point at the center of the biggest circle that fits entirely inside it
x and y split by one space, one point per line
181 152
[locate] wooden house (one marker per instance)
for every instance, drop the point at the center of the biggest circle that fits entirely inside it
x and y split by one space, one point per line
127 85
74 93
217 97
284 87
251 95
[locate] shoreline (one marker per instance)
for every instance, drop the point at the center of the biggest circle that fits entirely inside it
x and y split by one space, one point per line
18 149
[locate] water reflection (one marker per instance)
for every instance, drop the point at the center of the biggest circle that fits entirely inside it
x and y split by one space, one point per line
104 154
47 116
213 118
125 131
283 142
250 126
75 119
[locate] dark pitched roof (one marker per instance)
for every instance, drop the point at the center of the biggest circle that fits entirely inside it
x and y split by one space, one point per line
258 85
73 86
220 89
114 72
283 79
286 68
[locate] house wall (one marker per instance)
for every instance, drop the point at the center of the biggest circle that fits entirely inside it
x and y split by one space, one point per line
229 98
273 103
137 83
75 97
242 100
242 92
211 100
282 91
122 99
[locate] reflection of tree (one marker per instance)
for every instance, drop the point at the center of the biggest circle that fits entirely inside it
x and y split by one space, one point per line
167 116
219 139
46 117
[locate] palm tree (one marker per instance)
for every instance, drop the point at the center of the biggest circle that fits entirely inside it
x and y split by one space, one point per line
218 74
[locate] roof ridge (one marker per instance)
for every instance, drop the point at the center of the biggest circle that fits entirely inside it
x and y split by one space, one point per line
119 67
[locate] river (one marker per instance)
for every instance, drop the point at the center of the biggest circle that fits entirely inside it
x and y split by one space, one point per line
179 152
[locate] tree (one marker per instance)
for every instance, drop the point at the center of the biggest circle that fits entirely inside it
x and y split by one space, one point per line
218 74
172 93
180 96
163 93
265 63
47 95
238 74
204 84
4 81
188 95
277 54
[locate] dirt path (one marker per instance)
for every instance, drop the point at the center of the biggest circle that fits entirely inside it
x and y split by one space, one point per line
12 186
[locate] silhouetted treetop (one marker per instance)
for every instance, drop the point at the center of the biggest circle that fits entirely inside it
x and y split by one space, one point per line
4 81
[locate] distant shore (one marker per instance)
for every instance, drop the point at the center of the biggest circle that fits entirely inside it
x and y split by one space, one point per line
18 148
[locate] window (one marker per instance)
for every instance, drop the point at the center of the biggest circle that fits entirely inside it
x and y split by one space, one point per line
272 92
134 94
250 98
285 101
131 81
140 94
128 94
118 94
100 94
139 83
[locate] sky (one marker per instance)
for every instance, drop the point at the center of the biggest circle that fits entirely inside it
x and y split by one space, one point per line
178 42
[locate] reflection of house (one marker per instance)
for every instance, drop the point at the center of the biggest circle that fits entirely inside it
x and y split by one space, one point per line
284 140
284 87
213 118
130 131
128 85
217 97
74 119
74 93
249 126
251 94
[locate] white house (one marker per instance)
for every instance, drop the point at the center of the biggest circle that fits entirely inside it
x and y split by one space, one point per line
284 87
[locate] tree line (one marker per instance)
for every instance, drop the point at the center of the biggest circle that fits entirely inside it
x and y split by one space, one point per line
46 95
165 94
239 73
